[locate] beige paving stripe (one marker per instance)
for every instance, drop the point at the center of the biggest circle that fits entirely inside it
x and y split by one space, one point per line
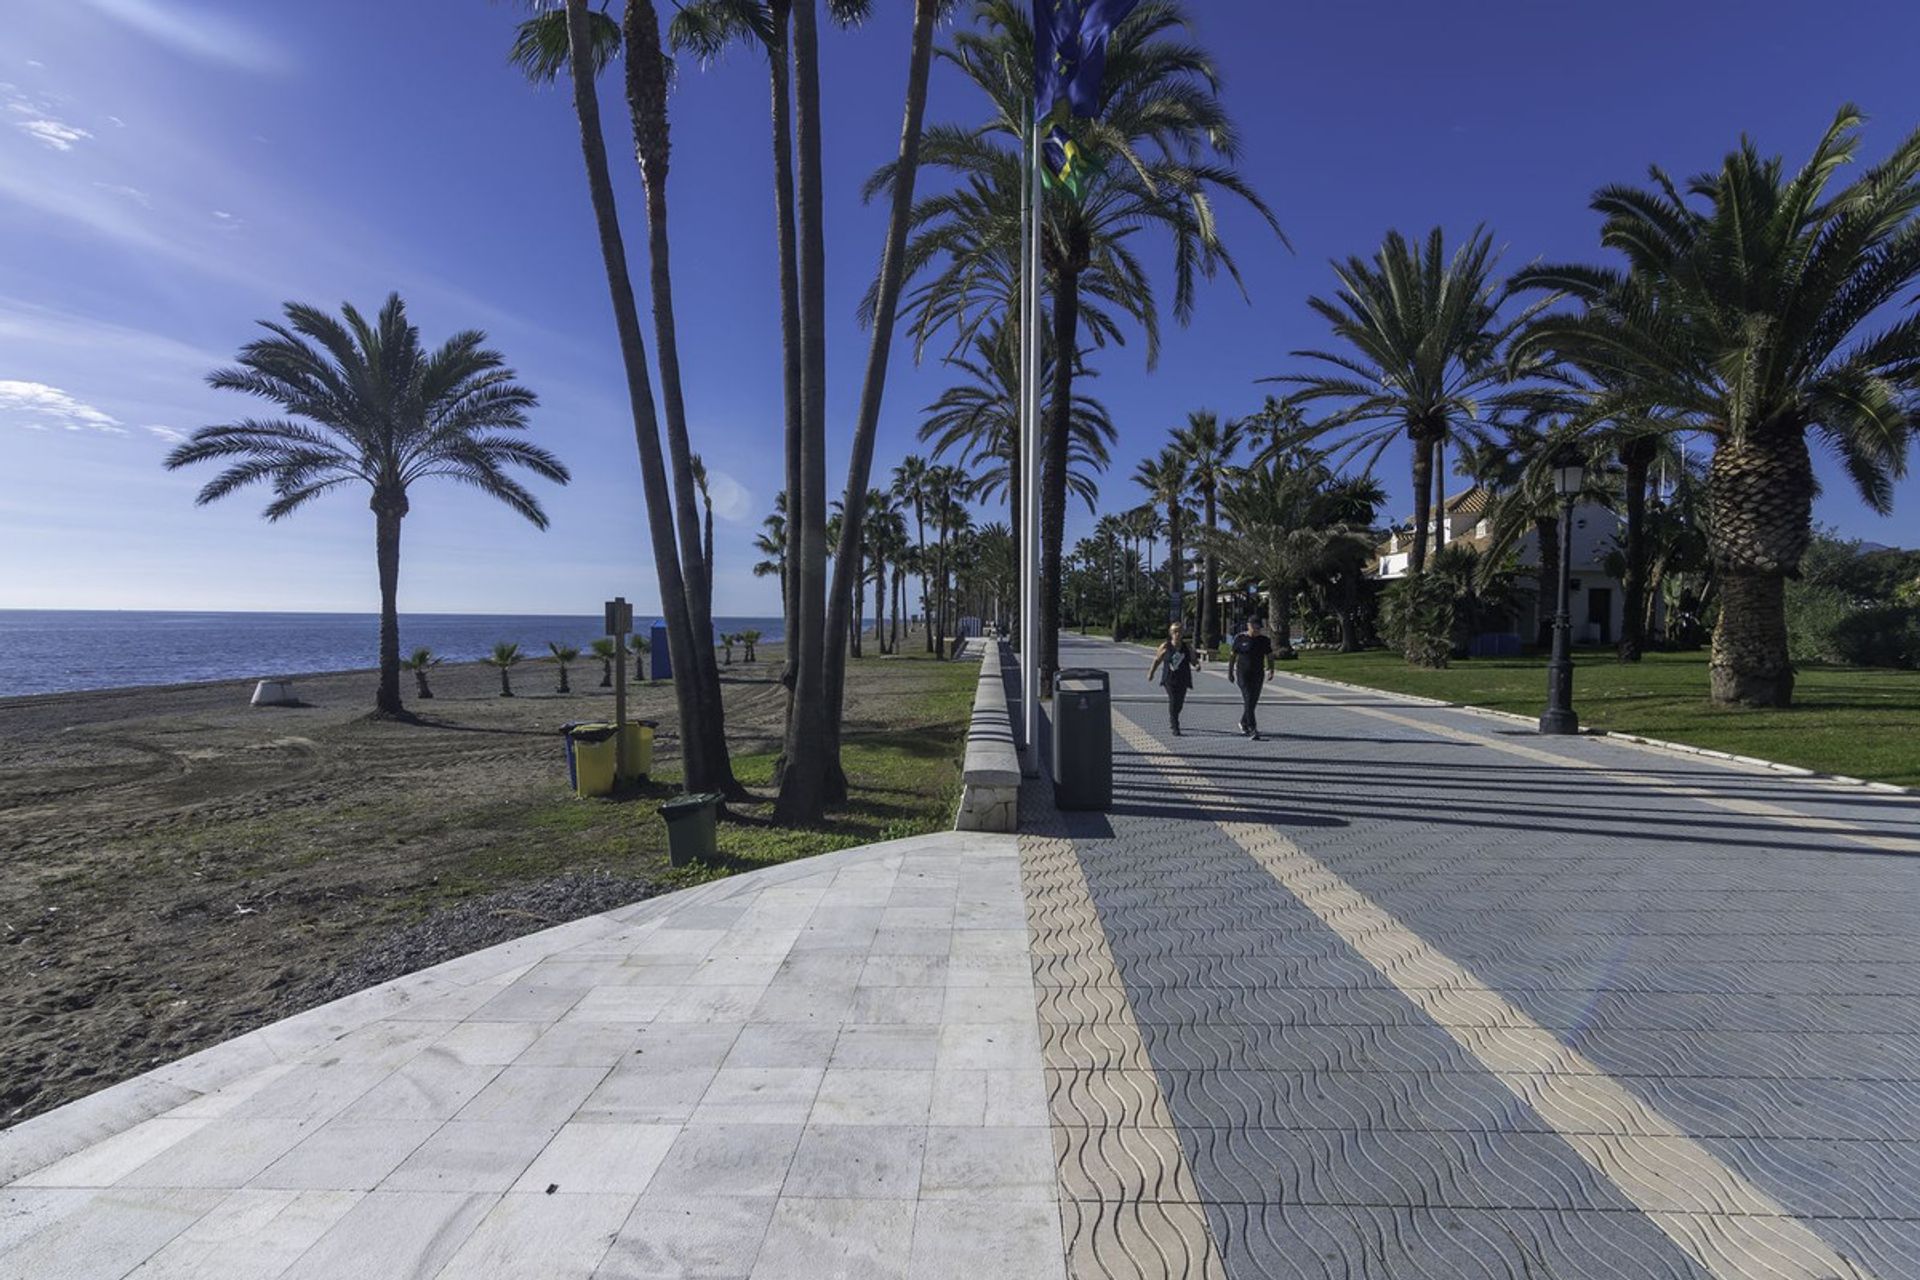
1734 804
1725 1223
1129 1207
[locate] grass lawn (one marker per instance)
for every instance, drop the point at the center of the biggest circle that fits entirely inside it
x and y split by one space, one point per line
1859 722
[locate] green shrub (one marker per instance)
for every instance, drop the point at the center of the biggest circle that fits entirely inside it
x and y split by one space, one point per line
1815 612
1417 617
1883 636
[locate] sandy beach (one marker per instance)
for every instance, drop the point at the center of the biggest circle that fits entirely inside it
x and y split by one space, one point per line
177 867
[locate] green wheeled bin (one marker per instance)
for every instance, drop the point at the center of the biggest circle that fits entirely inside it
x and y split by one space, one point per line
1082 739
690 827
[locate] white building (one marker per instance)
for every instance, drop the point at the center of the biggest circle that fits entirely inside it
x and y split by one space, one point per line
1596 600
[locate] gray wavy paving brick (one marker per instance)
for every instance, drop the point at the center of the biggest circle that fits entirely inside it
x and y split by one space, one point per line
1756 981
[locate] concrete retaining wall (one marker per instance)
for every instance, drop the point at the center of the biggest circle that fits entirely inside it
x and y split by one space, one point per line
990 790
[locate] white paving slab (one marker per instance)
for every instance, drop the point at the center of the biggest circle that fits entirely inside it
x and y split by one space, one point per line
780 1074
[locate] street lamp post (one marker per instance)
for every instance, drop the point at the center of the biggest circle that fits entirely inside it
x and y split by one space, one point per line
1559 717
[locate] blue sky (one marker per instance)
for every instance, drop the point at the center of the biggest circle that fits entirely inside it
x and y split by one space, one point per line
171 170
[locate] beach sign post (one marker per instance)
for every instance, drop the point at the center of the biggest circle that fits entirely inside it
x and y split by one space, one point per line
619 621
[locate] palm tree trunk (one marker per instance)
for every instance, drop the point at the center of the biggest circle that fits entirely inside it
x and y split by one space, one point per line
1053 477
626 314
1349 609
708 556
803 793
867 426
778 53
1210 573
1176 586
1439 494
1637 456
1422 497
706 741
1759 521
1547 601
879 603
387 514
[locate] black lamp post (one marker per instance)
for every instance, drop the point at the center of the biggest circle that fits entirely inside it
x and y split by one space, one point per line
1559 717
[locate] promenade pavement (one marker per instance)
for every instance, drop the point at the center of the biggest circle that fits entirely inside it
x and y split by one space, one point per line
1399 991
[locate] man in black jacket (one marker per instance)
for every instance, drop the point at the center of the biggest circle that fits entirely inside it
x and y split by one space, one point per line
1252 664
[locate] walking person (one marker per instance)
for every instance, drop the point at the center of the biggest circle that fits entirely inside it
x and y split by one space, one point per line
1252 663
1174 661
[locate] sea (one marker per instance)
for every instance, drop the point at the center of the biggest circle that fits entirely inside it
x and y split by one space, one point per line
62 650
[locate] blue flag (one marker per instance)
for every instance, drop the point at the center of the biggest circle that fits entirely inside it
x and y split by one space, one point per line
1070 53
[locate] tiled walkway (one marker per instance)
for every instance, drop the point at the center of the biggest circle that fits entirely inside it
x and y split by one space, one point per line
1400 991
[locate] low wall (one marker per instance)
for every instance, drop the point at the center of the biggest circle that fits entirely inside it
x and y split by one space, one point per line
990 782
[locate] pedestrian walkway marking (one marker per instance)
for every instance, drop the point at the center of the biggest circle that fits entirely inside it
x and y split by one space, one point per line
1722 1221
1080 994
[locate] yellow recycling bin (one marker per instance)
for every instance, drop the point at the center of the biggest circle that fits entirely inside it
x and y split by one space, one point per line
639 735
594 755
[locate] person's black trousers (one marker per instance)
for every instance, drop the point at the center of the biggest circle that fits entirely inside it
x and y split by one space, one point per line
1176 698
1250 685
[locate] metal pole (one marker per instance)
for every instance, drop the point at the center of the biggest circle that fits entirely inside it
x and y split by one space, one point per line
1559 716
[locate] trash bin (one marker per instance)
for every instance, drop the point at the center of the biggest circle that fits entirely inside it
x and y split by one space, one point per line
659 656
639 735
1082 739
593 759
566 734
690 827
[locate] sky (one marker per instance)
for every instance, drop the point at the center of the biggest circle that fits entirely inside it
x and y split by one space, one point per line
172 171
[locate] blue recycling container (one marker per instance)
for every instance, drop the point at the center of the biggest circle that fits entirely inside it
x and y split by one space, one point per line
659 658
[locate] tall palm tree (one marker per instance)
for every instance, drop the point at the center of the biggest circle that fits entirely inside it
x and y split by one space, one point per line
1740 311
706 500
979 419
1168 480
607 651
505 656
1426 341
590 43
1210 449
366 402
564 656
910 487
1170 147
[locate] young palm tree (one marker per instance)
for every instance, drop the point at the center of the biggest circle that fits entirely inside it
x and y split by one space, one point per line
1209 449
638 646
607 650
1740 313
368 404
564 656
1169 481
751 639
1427 343
506 656
910 487
420 661
1169 146
590 41
727 640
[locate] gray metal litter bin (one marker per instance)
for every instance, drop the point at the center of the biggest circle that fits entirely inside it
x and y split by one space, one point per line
1082 739
690 827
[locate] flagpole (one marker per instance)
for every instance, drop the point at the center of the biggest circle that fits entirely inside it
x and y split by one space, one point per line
1029 458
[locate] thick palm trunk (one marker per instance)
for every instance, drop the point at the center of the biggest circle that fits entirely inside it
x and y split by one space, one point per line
1546 604
1422 498
778 52
803 791
647 104
1280 619
388 511
1053 477
1760 520
633 356
1637 456
866 427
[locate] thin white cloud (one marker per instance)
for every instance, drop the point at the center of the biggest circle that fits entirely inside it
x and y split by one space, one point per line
57 134
167 433
134 194
227 221
731 500
35 404
197 33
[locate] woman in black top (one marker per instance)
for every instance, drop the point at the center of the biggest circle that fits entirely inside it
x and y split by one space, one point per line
1174 663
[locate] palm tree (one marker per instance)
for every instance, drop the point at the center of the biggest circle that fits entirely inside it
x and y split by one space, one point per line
979 419
506 656
706 498
564 656
910 487
591 40
751 639
771 542
607 650
1737 313
638 646
727 641
420 661
1168 481
1426 339
1172 146
1209 449
367 402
